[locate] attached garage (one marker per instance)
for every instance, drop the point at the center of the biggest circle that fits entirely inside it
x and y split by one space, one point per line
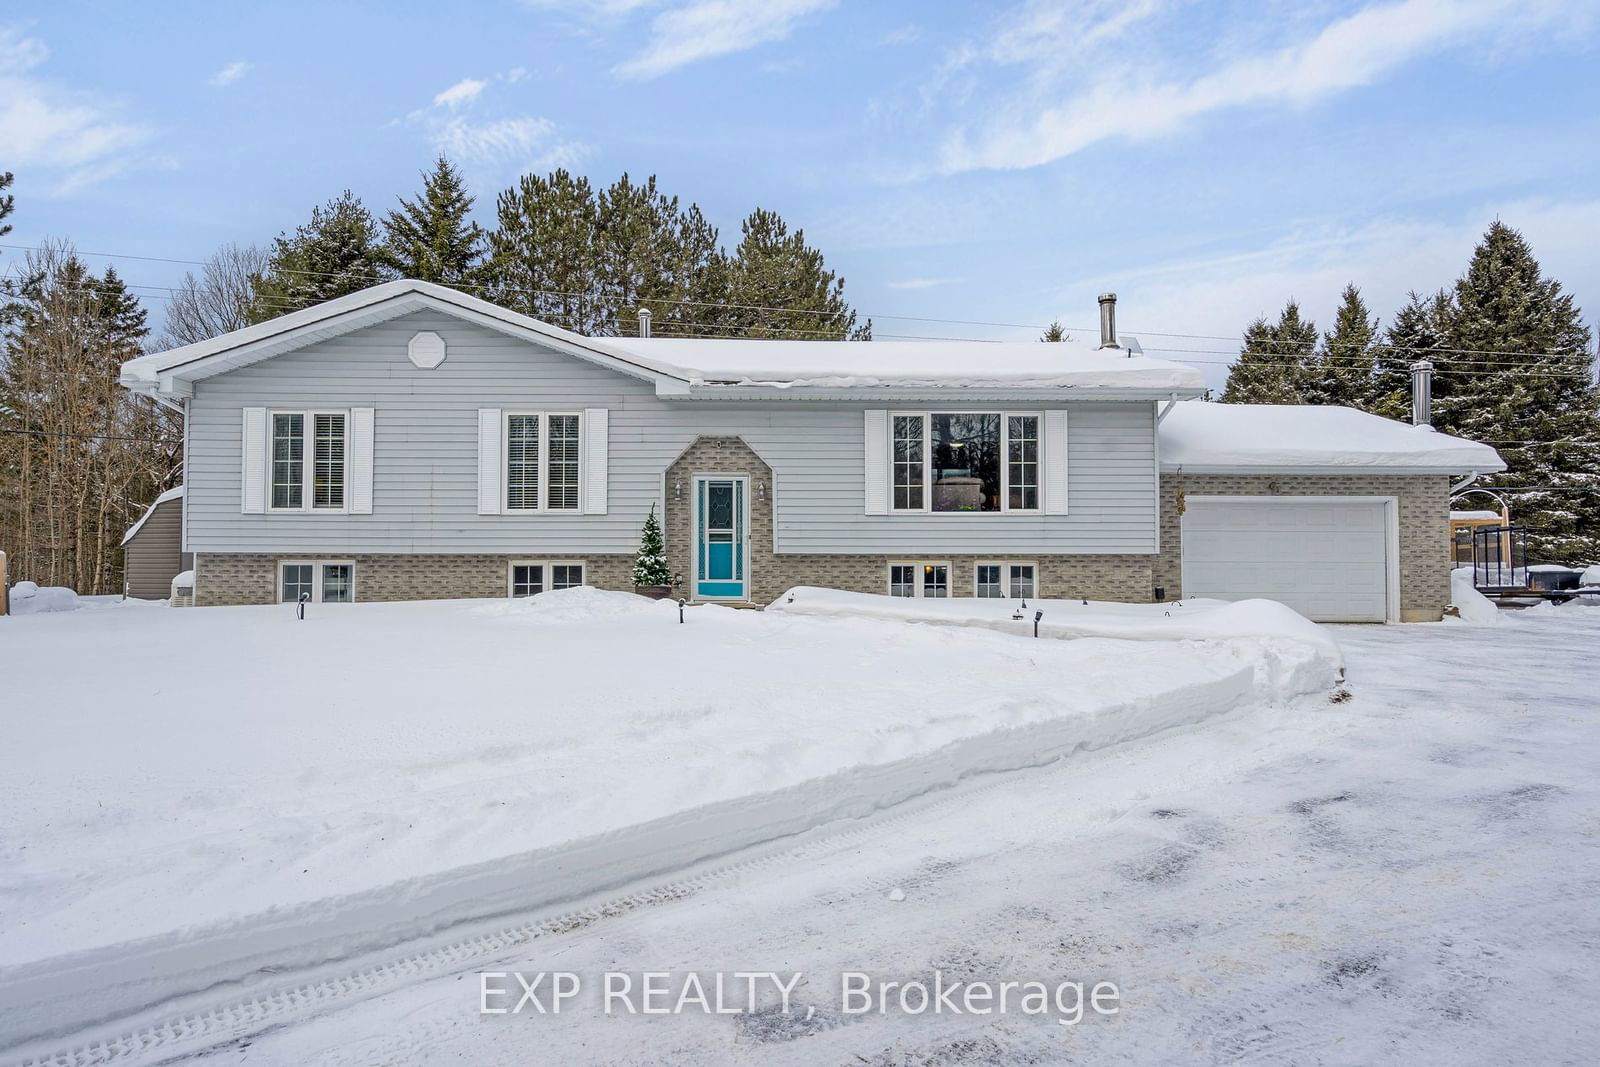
1333 559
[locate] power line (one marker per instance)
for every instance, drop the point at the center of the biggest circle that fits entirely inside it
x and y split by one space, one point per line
684 301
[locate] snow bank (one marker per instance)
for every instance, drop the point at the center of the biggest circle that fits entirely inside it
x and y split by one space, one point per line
27 598
579 604
431 764
1473 605
1295 654
1591 575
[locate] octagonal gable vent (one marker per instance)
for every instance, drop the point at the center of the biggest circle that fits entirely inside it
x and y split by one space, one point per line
426 349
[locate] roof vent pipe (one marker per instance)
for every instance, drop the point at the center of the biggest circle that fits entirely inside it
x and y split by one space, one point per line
1108 320
1422 393
644 322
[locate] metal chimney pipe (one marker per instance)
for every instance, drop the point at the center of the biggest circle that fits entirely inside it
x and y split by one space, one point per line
1108 320
644 322
1422 393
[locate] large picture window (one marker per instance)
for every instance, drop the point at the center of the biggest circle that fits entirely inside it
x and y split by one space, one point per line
309 473
965 462
542 452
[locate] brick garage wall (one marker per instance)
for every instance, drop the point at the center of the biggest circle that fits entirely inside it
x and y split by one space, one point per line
249 578
1424 506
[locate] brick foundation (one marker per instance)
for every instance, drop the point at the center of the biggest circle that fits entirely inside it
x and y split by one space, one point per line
251 578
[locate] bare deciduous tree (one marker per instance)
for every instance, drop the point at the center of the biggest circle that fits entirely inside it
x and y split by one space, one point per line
219 299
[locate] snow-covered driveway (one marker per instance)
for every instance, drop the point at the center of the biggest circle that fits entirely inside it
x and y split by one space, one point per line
227 796
1409 877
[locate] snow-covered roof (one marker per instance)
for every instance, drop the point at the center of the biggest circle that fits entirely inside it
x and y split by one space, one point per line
174 493
1197 436
1475 515
739 362
716 368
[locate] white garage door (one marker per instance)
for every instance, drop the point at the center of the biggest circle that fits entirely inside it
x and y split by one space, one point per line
1326 558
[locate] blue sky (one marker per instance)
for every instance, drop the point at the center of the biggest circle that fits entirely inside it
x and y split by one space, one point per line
1000 163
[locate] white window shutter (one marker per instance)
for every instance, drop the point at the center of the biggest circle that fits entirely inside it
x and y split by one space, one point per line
877 502
253 485
1055 462
596 456
491 468
359 462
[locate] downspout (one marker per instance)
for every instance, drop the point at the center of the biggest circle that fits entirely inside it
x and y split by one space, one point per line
1463 483
1172 402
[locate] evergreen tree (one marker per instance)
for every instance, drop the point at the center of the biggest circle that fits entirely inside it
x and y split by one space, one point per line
337 252
1054 332
650 253
780 287
1343 370
1521 377
542 259
431 238
7 201
1417 332
651 566
1273 364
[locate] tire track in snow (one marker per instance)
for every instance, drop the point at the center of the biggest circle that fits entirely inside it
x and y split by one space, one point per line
166 1038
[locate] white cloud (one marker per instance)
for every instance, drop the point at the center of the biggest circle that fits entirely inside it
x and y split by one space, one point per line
921 283
71 135
1216 296
231 73
704 29
1121 101
462 92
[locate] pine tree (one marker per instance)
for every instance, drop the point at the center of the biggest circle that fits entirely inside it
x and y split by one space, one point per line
1417 332
1343 370
780 287
542 253
1054 332
1272 365
8 202
650 569
431 238
650 253
1524 382
337 252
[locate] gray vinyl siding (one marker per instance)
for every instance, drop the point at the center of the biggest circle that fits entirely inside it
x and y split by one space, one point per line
154 555
426 446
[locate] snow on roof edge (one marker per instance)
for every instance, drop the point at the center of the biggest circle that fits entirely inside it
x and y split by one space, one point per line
171 494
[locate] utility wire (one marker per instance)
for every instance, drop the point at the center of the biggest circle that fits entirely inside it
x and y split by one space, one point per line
681 301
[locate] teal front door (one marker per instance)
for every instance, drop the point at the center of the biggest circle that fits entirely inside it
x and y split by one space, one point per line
721 561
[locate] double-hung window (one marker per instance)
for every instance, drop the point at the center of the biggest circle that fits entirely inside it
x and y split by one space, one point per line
309 451
1001 580
972 461
542 461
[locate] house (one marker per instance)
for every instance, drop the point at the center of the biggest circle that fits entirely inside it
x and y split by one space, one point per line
410 441
152 549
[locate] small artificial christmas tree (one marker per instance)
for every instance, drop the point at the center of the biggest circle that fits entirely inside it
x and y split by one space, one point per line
650 569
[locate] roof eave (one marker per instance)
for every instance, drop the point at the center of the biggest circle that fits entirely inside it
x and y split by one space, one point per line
1032 393
1447 470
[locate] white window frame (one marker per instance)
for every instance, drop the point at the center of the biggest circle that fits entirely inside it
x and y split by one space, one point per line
918 592
308 453
1005 566
316 566
543 495
926 416
545 573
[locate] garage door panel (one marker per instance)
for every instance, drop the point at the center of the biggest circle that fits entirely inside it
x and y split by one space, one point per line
1326 559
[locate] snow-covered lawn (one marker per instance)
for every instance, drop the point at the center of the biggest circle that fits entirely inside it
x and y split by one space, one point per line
1406 877
195 794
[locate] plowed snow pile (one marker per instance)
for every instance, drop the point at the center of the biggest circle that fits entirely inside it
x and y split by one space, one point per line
214 791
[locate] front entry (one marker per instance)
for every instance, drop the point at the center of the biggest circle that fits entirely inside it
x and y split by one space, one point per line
721 537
